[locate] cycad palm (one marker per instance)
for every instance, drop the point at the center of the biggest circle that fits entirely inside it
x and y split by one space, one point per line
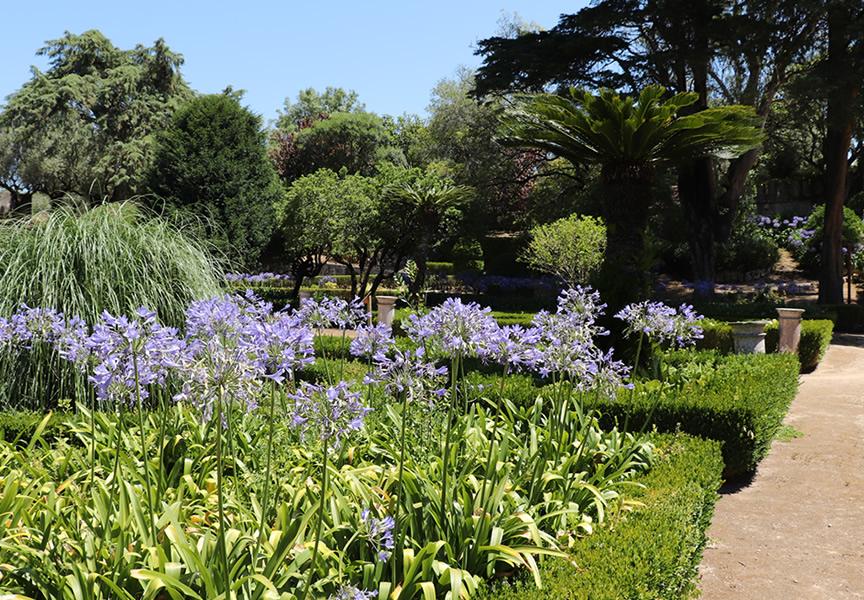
630 139
431 201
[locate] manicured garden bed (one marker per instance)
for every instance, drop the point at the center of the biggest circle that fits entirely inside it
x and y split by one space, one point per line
652 551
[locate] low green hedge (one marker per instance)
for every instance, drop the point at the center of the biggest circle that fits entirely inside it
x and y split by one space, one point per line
847 318
650 553
815 337
737 399
742 403
21 425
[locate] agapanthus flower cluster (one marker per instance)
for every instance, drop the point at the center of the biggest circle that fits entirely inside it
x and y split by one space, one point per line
131 354
234 343
349 592
454 328
330 413
512 346
662 324
565 343
332 312
379 533
372 340
30 324
408 372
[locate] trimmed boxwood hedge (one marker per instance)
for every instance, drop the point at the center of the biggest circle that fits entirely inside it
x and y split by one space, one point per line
650 553
815 337
739 400
742 404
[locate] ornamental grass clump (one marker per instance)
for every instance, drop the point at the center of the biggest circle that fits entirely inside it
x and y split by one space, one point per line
81 262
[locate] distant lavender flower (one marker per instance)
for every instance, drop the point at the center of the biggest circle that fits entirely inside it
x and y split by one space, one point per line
333 413
379 532
332 312
348 592
258 278
454 328
280 344
127 349
70 341
371 341
661 323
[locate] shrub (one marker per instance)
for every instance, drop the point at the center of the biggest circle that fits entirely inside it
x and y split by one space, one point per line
738 399
653 552
212 161
571 249
114 257
815 337
742 404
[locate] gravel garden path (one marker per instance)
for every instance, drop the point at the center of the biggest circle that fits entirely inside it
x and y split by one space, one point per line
797 529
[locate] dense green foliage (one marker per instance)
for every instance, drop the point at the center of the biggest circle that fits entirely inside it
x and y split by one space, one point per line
212 161
114 257
572 249
739 400
103 504
86 124
629 138
650 553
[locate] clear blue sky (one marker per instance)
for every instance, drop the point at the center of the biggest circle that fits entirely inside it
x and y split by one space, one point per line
391 52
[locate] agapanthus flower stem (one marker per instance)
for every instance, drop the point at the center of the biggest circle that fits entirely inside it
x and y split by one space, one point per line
319 527
265 505
633 388
148 488
447 435
399 479
223 550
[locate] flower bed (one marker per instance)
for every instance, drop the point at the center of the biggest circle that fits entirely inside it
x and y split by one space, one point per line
652 552
226 456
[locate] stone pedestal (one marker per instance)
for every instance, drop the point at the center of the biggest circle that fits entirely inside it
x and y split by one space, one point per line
304 295
790 329
749 336
386 309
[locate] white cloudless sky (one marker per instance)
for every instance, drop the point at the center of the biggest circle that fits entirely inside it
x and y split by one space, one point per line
391 52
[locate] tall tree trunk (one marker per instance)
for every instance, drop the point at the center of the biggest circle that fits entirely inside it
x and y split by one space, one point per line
624 277
844 91
696 191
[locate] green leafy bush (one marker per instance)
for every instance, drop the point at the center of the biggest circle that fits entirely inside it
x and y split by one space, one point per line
571 249
742 404
652 552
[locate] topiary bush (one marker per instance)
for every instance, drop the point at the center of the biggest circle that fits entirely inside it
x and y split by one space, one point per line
113 257
652 552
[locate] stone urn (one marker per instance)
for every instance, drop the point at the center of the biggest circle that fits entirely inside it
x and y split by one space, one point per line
304 295
386 309
790 329
749 336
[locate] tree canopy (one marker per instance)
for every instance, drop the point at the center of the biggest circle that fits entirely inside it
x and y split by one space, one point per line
86 125
212 161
